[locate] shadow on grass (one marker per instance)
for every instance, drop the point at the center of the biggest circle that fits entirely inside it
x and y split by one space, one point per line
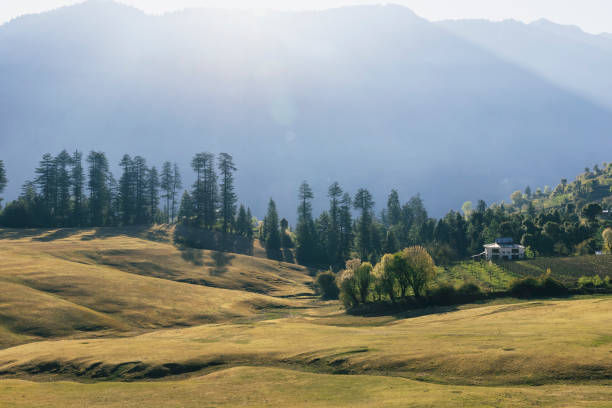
192 255
220 262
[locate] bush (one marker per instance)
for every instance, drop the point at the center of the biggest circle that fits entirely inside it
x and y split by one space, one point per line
592 282
469 291
525 288
551 287
326 286
443 295
531 287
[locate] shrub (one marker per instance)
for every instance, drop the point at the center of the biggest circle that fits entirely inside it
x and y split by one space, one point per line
591 282
525 288
531 287
469 291
326 285
551 287
443 295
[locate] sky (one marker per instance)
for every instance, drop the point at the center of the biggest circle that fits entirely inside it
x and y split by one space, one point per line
592 16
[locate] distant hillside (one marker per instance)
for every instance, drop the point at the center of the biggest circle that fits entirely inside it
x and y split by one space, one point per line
594 185
368 96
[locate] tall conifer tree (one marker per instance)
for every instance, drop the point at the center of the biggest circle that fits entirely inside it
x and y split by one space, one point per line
77 177
228 195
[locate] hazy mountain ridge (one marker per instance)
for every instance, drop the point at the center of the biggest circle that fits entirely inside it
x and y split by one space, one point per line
370 96
565 55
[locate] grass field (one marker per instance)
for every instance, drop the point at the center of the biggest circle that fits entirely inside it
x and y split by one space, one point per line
124 318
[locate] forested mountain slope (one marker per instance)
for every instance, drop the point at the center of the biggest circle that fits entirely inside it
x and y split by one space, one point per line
368 96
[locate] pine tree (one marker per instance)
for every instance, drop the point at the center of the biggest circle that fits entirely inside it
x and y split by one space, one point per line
62 162
205 190
186 211
127 199
153 194
99 188
228 195
363 201
394 210
3 179
177 185
243 224
166 184
346 227
77 179
46 181
140 188
305 230
250 229
335 234
271 230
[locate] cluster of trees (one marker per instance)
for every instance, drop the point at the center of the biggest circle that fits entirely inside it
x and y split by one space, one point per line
395 277
571 228
212 201
65 193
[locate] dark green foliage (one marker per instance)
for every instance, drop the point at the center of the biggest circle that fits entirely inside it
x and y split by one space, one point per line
3 179
227 192
326 286
205 190
271 232
186 214
306 248
363 201
531 287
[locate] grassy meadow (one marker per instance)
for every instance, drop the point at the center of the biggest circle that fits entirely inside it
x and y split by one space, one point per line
124 318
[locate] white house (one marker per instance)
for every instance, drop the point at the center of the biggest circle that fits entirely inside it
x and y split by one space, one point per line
502 249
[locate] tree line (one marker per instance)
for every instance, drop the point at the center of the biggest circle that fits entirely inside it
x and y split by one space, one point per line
65 193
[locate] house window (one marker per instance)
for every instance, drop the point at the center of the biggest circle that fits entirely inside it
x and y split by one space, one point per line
515 251
496 257
496 250
515 257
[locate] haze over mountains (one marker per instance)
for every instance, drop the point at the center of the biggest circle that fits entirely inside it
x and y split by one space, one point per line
370 96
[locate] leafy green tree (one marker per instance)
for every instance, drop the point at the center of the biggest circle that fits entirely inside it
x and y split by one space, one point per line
420 269
591 211
363 280
228 194
384 278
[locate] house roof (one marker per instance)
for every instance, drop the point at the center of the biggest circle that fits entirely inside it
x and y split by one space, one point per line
496 245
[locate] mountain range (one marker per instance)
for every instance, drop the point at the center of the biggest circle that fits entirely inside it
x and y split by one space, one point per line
369 96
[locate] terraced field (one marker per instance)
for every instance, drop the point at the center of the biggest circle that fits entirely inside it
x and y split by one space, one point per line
117 318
